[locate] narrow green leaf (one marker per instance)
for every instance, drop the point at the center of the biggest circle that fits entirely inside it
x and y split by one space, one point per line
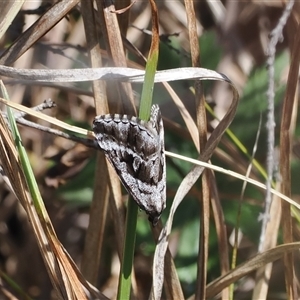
144 114
24 160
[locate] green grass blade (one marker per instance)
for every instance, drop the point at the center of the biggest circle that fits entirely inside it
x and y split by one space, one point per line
132 210
24 160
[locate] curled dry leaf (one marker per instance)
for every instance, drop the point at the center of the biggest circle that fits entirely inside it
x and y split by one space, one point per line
116 74
135 75
186 185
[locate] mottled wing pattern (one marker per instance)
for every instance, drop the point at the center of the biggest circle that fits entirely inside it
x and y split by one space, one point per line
135 148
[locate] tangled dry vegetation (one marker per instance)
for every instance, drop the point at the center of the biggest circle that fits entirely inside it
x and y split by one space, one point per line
229 237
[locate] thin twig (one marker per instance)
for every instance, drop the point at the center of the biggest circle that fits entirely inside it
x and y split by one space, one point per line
46 105
276 36
85 141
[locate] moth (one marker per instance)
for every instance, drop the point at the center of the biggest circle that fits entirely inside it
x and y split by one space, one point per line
135 148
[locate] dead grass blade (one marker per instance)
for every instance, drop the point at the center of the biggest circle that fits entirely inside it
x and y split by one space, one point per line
172 285
123 101
62 271
263 274
88 134
49 19
287 128
9 10
98 216
233 174
183 189
93 245
251 265
114 45
202 131
11 167
95 55
188 120
219 220
113 74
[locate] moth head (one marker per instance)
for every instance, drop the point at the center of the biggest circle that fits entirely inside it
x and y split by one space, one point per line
154 219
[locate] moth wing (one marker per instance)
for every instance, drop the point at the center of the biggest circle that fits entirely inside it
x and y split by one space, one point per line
135 148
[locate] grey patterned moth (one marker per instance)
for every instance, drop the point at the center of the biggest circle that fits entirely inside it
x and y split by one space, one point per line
135 148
